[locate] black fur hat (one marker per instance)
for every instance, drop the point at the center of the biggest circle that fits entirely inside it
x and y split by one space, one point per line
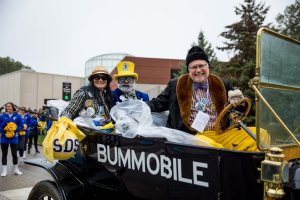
195 53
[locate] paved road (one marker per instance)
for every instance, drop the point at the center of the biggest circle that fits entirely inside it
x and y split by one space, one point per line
31 176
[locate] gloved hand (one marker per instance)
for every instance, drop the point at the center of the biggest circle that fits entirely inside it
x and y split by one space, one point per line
235 97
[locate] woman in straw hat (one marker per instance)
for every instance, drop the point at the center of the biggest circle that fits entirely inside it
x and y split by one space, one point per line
96 98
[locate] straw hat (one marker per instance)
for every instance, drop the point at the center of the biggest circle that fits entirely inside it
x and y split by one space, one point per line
98 70
126 68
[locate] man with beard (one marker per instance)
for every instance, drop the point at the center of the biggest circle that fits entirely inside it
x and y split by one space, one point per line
126 79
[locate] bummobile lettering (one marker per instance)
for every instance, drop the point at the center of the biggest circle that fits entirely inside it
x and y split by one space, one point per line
164 167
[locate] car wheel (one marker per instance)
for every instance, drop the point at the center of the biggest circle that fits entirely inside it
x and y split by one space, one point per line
44 190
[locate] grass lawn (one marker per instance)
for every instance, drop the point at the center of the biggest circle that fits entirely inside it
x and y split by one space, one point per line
41 139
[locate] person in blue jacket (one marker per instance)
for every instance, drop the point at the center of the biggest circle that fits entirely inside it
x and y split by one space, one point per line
10 116
28 120
49 125
42 119
126 79
34 133
21 141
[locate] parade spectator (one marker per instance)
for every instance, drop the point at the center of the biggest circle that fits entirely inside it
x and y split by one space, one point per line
49 125
96 98
21 140
42 119
7 138
28 120
33 133
48 114
126 79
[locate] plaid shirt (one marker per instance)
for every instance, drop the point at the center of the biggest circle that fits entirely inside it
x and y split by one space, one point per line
77 103
200 93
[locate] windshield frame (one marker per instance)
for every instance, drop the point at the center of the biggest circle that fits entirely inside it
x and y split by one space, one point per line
260 32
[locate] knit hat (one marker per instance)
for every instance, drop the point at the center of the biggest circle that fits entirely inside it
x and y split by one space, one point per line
195 53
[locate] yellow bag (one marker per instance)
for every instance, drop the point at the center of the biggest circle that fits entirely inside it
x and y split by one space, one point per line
62 140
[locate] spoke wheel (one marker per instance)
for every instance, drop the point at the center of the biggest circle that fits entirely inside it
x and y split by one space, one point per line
218 130
45 190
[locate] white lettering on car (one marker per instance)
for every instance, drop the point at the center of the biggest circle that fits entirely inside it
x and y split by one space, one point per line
154 164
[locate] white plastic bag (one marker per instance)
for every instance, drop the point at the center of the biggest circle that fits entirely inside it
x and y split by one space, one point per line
84 120
134 118
59 104
160 118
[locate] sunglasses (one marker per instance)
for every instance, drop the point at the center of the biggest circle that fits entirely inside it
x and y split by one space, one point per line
100 77
129 79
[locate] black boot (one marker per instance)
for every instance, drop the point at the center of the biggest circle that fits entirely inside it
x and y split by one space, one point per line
28 150
37 151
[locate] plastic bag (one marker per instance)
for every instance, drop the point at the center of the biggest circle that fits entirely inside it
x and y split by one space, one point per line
160 118
59 104
134 118
87 119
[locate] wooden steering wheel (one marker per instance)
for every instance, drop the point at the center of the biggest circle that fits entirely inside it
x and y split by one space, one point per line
234 117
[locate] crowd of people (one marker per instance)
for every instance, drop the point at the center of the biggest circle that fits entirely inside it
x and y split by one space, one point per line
195 95
24 129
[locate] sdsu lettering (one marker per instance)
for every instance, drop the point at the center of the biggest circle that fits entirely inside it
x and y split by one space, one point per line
66 151
69 146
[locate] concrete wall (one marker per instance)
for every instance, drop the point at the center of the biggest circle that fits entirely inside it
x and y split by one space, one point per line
146 87
155 91
151 89
29 89
10 88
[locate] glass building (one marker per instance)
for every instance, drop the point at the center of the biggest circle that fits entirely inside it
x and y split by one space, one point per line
109 61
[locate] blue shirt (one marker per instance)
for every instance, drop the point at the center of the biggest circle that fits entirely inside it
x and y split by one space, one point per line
15 118
24 122
28 119
49 125
34 124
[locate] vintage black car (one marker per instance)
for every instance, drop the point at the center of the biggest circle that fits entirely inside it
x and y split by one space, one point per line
110 166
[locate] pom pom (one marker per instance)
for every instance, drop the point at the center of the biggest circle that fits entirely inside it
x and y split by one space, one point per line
10 128
41 126
23 132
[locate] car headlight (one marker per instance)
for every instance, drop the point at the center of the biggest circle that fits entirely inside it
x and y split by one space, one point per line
275 172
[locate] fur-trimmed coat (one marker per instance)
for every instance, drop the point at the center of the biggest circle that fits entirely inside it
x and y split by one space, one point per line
177 98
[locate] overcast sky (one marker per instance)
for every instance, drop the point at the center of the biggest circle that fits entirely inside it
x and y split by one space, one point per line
59 36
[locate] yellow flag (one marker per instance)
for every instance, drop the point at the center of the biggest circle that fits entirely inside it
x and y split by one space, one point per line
110 128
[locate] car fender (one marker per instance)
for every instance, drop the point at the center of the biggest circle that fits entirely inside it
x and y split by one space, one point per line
68 185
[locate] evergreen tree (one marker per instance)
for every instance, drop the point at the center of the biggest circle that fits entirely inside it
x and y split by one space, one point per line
8 65
241 40
207 48
289 21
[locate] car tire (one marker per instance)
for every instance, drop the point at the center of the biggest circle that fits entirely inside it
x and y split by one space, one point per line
44 189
